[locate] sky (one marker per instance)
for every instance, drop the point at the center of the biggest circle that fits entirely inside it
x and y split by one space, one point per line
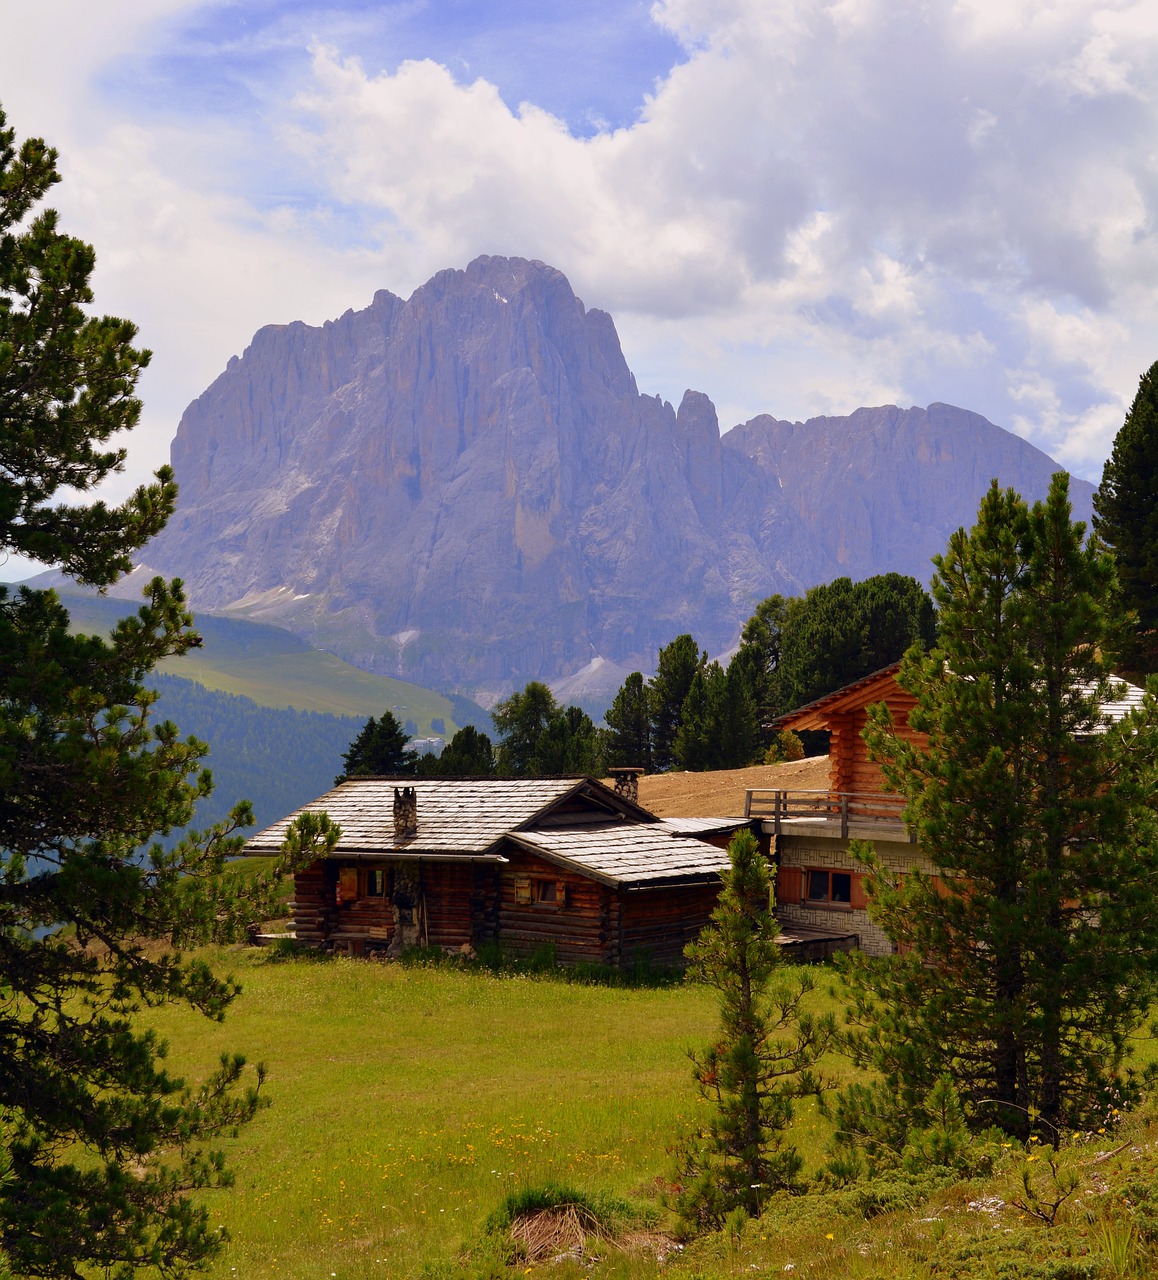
796 206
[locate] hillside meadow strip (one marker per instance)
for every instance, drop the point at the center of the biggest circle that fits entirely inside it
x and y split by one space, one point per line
408 1102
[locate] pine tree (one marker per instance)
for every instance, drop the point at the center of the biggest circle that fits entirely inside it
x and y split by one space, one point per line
733 717
841 630
1126 517
379 750
667 691
570 745
763 1058
103 1142
469 754
629 723
693 747
1028 959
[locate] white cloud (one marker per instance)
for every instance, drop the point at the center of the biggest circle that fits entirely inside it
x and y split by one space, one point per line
892 186
826 204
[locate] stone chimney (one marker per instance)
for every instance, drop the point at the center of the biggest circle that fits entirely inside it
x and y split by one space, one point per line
405 812
627 782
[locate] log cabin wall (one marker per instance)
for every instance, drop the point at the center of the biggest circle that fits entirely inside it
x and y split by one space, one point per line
310 902
443 904
657 924
360 904
850 768
543 905
447 904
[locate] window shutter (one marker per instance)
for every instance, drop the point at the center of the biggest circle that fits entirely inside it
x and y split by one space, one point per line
522 890
348 883
858 900
561 893
788 884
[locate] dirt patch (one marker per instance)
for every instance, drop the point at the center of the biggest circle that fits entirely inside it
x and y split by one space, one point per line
573 1231
562 1231
721 794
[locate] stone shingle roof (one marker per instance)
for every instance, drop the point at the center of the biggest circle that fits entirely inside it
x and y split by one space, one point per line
639 855
704 826
456 816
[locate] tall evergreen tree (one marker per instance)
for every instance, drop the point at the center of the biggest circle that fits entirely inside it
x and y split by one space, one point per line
103 1142
734 720
1028 959
694 745
668 689
718 728
569 745
469 754
762 1060
1126 517
629 724
379 750
522 719
759 652
841 630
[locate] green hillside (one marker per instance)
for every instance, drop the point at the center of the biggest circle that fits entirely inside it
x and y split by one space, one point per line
277 669
278 758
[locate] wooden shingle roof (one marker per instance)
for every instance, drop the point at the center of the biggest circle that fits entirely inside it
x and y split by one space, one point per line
456 816
636 855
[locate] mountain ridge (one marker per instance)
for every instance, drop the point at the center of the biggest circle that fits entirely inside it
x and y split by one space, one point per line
466 488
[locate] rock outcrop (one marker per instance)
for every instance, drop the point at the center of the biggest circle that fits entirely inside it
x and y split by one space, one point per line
467 488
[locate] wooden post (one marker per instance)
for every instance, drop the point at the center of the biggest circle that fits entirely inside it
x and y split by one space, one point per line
844 816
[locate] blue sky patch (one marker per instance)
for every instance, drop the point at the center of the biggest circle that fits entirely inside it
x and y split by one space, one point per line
591 64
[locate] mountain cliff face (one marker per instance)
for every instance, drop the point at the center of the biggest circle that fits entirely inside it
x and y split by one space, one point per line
467 488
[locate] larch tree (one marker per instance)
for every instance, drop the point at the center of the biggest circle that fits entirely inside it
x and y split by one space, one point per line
522 720
1126 517
1026 956
103 1143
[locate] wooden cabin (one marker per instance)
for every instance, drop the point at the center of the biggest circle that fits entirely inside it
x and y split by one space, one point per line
527 862
819 885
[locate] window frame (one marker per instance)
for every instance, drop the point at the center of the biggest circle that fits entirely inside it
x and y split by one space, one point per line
827 903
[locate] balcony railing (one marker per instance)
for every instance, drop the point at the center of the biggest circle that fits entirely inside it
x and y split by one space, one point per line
829 807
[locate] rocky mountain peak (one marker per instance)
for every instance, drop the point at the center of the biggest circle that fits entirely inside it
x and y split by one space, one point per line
466 488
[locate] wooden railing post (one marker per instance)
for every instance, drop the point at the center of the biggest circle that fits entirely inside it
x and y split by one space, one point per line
844 816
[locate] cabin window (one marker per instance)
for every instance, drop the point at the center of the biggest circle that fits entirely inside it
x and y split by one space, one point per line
546 891
830 886
375 882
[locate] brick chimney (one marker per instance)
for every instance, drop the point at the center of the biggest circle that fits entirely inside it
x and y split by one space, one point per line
405 812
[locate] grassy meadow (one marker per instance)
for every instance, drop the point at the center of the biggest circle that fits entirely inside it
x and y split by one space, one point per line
407 1102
